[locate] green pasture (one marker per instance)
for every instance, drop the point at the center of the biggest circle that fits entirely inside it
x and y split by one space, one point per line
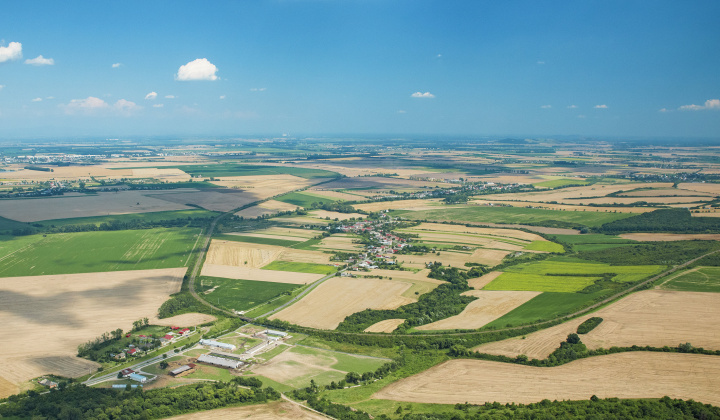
624 273
545 306
521 215
593 238
300 267
303 199
235 169
539 282
241 294
704 279
9 224
558 183
546 246
151 217
88 252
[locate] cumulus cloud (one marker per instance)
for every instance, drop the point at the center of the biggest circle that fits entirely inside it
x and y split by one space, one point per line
12 52
222 96
151 96
257 89
402 111
198 69
50 97
86 105
40 61
545 106
37 100
2 86
600 106
541 62
664 110
116 65
422 95
125 106
709 104
158 105
572 106
169 96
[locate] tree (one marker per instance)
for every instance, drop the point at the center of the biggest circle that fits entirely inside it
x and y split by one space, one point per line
573 338
352 377
163 365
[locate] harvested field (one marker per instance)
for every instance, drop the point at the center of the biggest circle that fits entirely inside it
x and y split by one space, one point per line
264 185
399 205
713 189
645 237
321 214
386 326
659 192
269 411
184 320
505 233
339 242
646 318
296 234
456 259
7 388
480 282
267 207
566 207
247 255
336 195
563 194
488 306
378 182
162 174
243 273
100 204
622 375
52 315
331 302
631 200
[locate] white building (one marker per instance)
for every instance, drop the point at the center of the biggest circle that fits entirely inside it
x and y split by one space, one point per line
219 361
213 343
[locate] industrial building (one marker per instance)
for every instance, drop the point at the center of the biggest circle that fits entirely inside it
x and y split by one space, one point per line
213 343
219 361
183 370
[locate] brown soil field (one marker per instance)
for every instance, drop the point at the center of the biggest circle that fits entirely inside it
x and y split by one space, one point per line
622 375
663 192
480 282
271 411
506 233
339 243
386 326
267 207
713 189
488 306
52 315
243 273
211 199
184 320
456 259
644 237
303 234
331 302
7 388
646 318
100 204
415 205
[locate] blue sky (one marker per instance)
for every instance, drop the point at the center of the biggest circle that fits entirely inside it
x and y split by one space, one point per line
536 68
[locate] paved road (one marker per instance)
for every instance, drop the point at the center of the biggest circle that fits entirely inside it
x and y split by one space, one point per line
138 366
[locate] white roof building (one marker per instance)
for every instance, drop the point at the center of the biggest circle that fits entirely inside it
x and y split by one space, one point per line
213 343
219 361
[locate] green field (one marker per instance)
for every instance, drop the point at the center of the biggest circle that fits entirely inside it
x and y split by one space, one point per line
234 169
557 183
521 215
545 306
254 240
546 246
592 242
539 282
141 217
302 199
300 267
6 225
241 295
704 279
88 252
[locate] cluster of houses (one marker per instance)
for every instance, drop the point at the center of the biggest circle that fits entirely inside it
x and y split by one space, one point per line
135 376
146 342
386 243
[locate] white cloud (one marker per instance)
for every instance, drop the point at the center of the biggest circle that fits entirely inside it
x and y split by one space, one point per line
402 111
116 65
222 96
541 62
2 86
600 106
37 100
439 56
422 95
124 105
664 110
198 69
709 104
169 96
50 97
87 105
12 52
545 106
151 96
257 89
158 105
572 106
40 61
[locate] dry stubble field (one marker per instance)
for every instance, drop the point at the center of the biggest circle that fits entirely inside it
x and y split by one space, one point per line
646 318
52 315
622 375
271 411
327 305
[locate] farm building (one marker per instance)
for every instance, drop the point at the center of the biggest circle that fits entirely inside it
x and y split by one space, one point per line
277 333
183 370
138 378
265 345
118 386
48 383
213 343
126 372
219 361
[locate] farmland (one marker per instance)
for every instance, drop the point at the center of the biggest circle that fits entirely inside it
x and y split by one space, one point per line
232 169
623 375
241 295
88 252
268 411
703 279
302 199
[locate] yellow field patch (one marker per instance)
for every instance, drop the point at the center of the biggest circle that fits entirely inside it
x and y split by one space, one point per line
243 273
488 306
622 375
266 207
332 301
647 318
480 282
277 410
52 315
386 326
504 233
321 214
399 205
